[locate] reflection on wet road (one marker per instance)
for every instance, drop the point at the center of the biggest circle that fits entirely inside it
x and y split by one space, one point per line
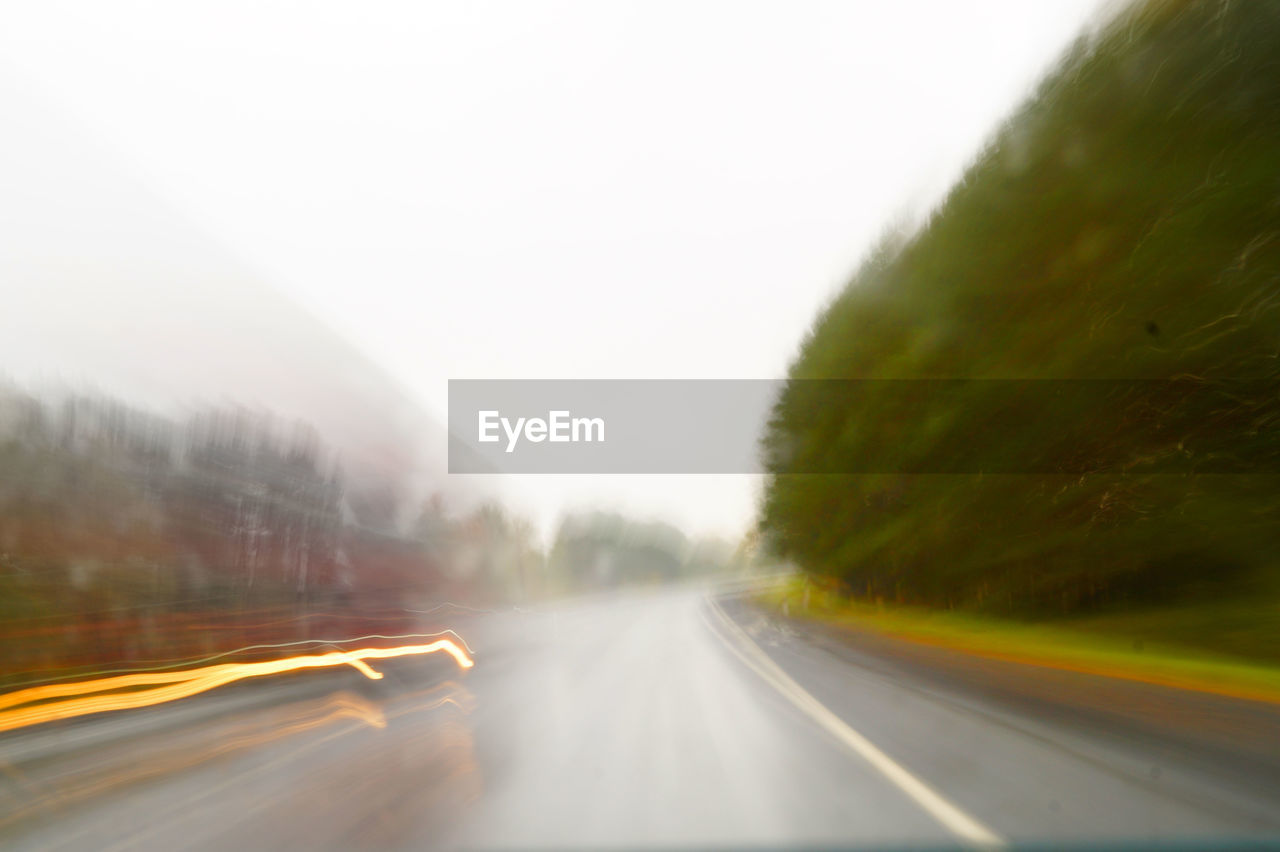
342 769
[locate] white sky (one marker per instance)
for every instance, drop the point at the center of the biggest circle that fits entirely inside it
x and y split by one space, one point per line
547 190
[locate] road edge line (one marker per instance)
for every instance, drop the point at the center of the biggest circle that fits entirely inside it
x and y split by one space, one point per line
950 816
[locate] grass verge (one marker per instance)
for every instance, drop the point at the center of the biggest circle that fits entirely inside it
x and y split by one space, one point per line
1115 652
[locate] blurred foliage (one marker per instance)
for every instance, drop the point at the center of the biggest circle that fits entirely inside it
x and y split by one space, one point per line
104 506
488 548
1124 223
126 536
601 550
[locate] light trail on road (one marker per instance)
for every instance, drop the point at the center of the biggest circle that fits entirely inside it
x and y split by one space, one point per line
172 663
52 702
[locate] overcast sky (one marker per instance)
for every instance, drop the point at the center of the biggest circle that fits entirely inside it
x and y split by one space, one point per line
546 190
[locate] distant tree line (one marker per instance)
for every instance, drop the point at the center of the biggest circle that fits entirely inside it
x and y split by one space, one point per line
600 550
128 535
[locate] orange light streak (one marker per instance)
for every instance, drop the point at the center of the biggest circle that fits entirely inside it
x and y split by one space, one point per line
81 698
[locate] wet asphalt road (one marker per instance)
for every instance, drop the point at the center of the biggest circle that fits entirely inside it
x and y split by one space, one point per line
654 719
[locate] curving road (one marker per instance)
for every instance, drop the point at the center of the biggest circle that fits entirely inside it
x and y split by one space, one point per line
657 719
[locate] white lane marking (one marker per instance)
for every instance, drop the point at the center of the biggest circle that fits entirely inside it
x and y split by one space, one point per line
954 819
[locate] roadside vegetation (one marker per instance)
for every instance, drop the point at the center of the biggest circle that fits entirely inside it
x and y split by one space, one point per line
1150 647
1122 225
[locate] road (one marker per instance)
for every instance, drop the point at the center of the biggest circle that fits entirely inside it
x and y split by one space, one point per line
651 720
